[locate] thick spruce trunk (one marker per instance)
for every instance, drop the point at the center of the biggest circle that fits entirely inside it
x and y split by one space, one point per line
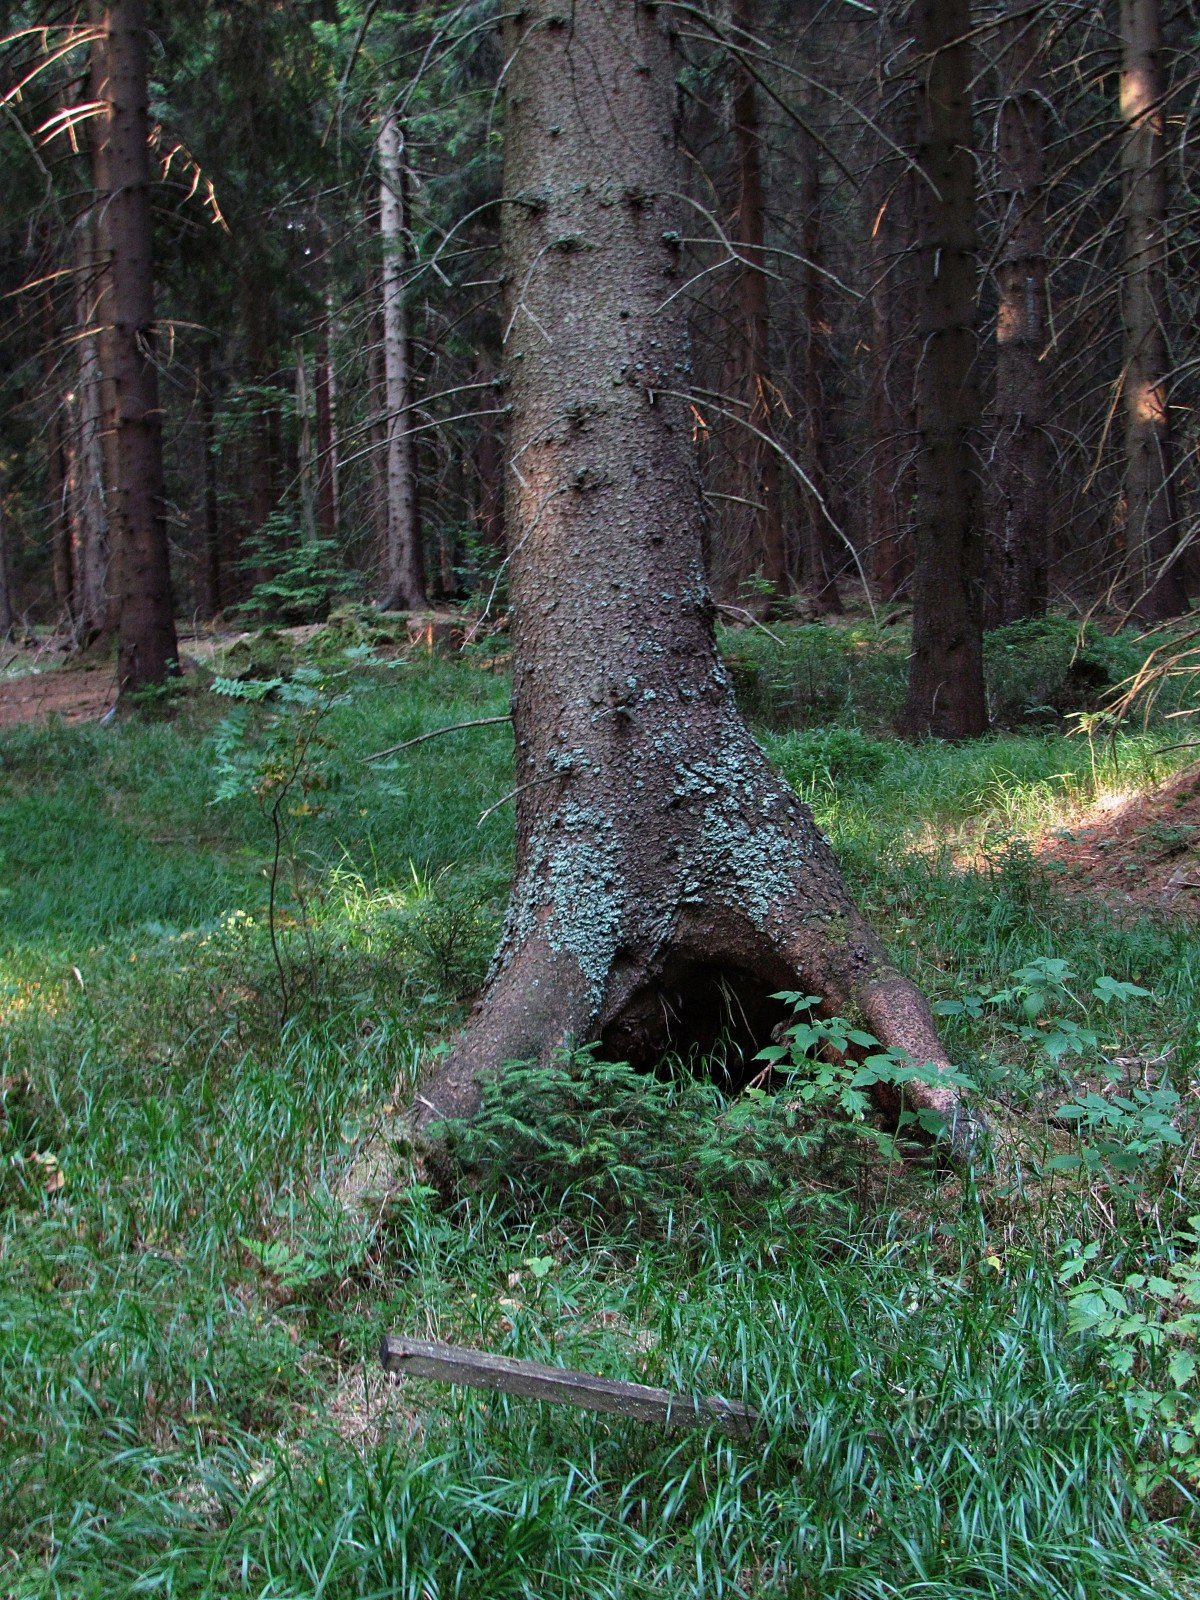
1021 531
945 683
404 575
1155 577
147 649
657 852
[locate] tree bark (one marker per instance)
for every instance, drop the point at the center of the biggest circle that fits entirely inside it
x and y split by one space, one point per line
307 449
945 684
58 473
7 611
890 197
1155 578
404 577
326 420
147 648
763 553
89 508
821 539
657 853
212 597
1021 533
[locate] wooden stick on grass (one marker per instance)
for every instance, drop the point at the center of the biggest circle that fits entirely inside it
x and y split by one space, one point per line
532 1380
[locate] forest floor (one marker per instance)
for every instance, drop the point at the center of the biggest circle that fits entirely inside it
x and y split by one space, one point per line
971 1385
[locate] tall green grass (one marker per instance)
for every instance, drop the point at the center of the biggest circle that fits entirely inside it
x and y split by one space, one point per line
208 1216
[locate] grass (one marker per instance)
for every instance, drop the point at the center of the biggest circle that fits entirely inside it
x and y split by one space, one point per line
200 1242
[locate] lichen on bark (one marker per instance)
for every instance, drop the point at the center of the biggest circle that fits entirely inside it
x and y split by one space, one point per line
655 848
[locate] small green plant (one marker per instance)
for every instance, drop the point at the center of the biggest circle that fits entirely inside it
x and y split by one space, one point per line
1036 1006
1147 1323
830 1066
273 760
303 576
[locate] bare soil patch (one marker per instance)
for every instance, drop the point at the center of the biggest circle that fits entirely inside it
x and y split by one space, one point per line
74 694
1143 854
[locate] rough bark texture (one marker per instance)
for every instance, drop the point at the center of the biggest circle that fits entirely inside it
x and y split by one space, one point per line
1021 534
756 482
404 577
657 852
147 649
945 685
58 471
1155 579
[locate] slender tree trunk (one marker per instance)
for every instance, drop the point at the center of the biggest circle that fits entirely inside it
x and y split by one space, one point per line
757 480
657 852
404 578
326 421
147 648
945 685
1155 577
58 475
489 461
212 599
306 416
89 508
890 196
1021 534
7 609
821 540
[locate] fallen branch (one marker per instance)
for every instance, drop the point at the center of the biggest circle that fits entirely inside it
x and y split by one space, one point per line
740 611
453 727
531 1380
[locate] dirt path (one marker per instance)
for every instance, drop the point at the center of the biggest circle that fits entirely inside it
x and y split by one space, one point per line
75 695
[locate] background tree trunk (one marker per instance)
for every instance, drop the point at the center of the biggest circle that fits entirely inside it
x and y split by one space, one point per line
147 648
326 419
212 597
821 540
404 578
757 480
1155 578
945 684
7 609
1021 536
89 510
656 851
58 474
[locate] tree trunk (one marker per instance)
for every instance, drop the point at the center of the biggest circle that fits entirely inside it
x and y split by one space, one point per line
7 611
1021 534
656 851
1155 579
147 649
89 509
489 460
326 420
404 577
945 684
763 553
821 538
212 598
307 453
890 197
58 474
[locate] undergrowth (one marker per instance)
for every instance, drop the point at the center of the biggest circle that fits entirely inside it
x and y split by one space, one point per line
969 1385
